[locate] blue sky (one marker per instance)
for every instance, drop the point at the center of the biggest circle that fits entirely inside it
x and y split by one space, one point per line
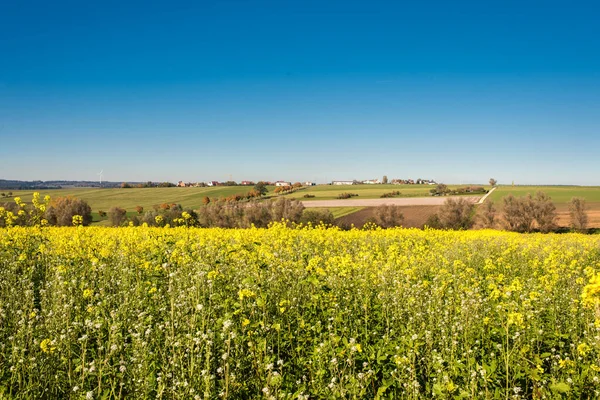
301 90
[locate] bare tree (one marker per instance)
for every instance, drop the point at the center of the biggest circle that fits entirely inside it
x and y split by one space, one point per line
488 214
577 211
384 180
522 214
519 213
544 212
493 182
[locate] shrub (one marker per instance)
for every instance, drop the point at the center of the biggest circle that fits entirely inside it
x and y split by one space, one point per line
260 214
488 214
117 216
288 209
388 216
456 214
346 195
308 196
433 221
61 210
440 190
390 194
316 217
257 214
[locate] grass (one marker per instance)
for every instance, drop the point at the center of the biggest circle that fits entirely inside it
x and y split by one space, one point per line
561 195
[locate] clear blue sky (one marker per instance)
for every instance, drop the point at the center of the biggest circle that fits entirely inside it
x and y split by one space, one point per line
457 91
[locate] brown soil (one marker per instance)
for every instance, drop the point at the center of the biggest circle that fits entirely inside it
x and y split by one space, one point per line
414 216
401 201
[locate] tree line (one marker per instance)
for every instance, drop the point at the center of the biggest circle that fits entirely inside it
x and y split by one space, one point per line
519 214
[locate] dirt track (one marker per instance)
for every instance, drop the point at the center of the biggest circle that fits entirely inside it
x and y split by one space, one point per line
405 201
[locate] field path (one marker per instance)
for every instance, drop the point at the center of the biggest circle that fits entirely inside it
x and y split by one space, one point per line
405 201
485 197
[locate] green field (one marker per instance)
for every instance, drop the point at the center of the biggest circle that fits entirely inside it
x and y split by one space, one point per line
104 199
330 192
339 212
561 195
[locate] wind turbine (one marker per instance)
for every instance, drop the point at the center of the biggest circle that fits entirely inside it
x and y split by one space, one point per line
100 173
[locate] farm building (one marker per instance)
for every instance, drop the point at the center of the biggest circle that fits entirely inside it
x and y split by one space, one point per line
283 183
342 183
372 182
308 183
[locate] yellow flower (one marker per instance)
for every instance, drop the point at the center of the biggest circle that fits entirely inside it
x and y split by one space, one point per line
515 318
245 322
243 293
591 292
46 346
583 349
87 293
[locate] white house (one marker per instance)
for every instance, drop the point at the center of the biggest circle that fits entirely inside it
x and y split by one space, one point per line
372 181
342 183
308 183
283 183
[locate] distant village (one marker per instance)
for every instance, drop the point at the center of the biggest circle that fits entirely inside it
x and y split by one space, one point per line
309 183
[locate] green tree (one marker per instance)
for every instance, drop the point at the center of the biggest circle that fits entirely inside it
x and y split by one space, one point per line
261 188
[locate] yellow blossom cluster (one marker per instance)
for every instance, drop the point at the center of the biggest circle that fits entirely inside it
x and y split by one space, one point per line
140 312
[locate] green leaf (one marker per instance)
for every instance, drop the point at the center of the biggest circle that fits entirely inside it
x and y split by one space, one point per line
560 387
382 389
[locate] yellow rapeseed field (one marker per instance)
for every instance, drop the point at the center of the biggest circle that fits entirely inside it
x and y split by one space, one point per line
312 313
